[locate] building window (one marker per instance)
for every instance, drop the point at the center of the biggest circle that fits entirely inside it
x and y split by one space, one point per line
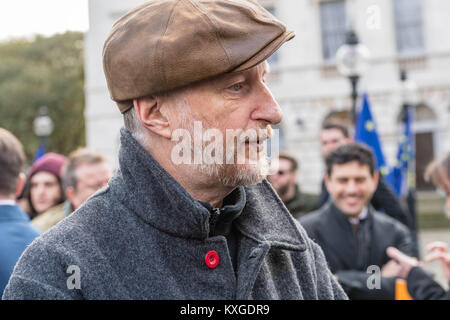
273 60
333 24
409 27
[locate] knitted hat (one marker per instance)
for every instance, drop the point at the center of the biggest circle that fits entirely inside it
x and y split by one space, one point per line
49 162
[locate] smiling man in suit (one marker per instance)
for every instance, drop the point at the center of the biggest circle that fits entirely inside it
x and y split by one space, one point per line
351 233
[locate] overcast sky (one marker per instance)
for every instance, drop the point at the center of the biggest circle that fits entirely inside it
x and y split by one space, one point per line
19 18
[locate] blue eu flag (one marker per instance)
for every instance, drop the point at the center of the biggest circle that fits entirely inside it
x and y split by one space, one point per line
40 151
366 132
398 177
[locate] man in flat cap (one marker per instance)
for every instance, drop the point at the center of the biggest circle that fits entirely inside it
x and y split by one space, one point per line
184 218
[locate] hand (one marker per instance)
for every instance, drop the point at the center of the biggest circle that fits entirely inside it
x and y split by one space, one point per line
406 263
390 269
439 250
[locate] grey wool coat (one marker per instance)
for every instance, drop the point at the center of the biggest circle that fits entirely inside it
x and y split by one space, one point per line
145 237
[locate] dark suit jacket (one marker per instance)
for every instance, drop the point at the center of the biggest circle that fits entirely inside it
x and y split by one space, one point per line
349 255
383 200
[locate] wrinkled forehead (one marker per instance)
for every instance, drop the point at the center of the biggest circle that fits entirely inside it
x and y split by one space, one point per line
350 169
284 164
181 96
260 70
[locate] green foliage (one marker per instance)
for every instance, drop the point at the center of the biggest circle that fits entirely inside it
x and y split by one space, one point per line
44 71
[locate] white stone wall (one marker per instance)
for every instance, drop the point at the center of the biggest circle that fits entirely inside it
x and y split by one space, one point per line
306 89
103 119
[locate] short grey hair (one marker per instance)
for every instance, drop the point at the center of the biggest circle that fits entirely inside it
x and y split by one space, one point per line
132 124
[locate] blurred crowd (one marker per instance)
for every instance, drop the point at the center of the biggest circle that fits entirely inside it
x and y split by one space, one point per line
32 203
359 222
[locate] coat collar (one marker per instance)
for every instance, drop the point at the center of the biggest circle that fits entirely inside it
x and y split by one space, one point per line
266 219
145 188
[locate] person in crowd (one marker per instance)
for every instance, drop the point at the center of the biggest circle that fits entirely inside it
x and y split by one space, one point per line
44 187
284 181
84 172
334 135
170 225
15 230
421 286
352 234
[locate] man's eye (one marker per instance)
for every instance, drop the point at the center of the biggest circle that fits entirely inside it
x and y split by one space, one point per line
236 87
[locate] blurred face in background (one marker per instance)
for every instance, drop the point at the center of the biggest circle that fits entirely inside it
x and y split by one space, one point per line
90 178
443 183
351 186
284 179
45 191
331 139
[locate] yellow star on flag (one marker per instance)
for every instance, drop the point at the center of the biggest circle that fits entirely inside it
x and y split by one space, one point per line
370 126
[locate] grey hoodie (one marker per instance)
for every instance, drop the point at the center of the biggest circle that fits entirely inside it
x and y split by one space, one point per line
145 237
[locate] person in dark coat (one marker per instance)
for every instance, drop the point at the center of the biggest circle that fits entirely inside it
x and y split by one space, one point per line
284 181
421 286
334 135
16 233
352 234
184 217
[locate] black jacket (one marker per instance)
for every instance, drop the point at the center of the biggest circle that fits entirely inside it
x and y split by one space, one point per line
422 287
349 255
383 200
302 203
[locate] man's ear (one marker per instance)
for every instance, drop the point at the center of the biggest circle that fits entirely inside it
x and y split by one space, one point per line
376 178
148 110
70 194
326 179
295 175
20 184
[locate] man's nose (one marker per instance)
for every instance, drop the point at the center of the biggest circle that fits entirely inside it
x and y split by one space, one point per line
351 187
39 189
267 109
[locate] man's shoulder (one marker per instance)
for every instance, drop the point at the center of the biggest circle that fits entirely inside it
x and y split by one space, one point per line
315 216
77 225
387 221
19 227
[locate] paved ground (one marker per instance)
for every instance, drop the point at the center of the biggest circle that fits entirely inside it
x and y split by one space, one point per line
430 235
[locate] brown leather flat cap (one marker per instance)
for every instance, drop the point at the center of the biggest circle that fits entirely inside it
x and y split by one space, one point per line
167 44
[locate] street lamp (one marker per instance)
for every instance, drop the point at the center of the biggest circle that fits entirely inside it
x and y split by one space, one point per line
352 60
408 90
43 126
409 100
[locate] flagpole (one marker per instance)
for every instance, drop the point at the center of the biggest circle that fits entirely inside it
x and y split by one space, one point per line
43 128
408 113
354 82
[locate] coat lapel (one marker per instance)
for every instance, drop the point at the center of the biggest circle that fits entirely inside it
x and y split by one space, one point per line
263 228
339 238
